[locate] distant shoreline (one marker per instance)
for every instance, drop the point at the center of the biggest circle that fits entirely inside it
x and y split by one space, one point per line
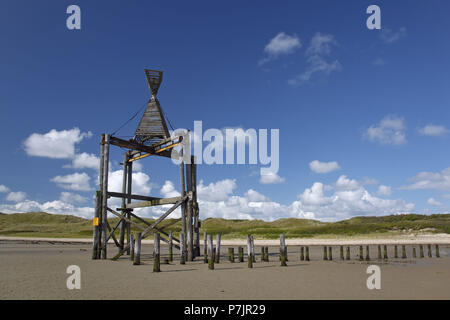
443 239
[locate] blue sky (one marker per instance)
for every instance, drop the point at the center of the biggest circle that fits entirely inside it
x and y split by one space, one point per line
363 115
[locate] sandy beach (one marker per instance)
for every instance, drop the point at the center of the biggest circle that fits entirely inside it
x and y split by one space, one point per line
37 270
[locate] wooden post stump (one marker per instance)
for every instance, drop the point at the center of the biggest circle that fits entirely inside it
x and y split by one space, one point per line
341 251
218 248
325 257
210 252
205 247
98 208
231 254
437 251
137 249
132 247
330 253
249 251
368 253
385 252
266 249
430 255
182 249
241 254
170 246
156 253
414 252
302 253
263 254
253 249
403 252
307 253
283 250
348 254
395 252
379 252
421 251
361 253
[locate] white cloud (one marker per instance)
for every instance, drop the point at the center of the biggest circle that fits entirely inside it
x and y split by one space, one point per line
433 130
84 160
323 167
69 197
55 207
384 190
433 202
140 184
316 64
3 189
369 181
255 196
389 36
281 44
218 191
390 130
55 144
270 178
16 196
76 181
430 180
168 190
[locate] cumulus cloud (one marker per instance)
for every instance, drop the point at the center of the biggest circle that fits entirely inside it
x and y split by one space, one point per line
218 191
76 181
270 178
323 167
55 207
430 180
390 130
73 198
281 44
16 196
433 130
389 36
55 144
84 160
3 189
433 202
168 190
384 190
320 46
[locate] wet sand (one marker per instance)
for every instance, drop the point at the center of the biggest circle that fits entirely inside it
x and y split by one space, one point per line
38 271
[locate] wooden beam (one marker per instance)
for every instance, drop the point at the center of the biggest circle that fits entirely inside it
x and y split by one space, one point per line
176 205
155 202
132 196
106 141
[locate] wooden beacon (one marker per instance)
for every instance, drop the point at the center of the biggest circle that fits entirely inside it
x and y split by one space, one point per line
151 138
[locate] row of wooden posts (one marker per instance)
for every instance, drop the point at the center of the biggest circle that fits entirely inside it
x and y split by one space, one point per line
211 253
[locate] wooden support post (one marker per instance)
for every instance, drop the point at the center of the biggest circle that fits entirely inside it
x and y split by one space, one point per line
283 250
379 252
129 193
137 249
231 254
302 254
241 254
253 250
190 234
421 251
395 252
210 252
104 193
385 252
430 255
330 253
414 252
170 246
218 248
347 256
307 253
183 205
182 249
403 252
249 251
124 190
368 253
96 223
205 247
131 247
195 206
100 184
438 255
341 251
263 254
325 256
361 253
156 253
266 253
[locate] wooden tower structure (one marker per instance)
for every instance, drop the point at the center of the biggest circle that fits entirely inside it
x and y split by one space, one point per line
151 138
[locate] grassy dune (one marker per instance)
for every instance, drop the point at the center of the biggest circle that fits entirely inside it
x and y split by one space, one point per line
40 224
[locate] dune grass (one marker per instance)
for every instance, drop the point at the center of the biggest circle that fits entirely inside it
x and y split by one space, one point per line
40 224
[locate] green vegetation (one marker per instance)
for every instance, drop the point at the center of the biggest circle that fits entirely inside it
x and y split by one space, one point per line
40 224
